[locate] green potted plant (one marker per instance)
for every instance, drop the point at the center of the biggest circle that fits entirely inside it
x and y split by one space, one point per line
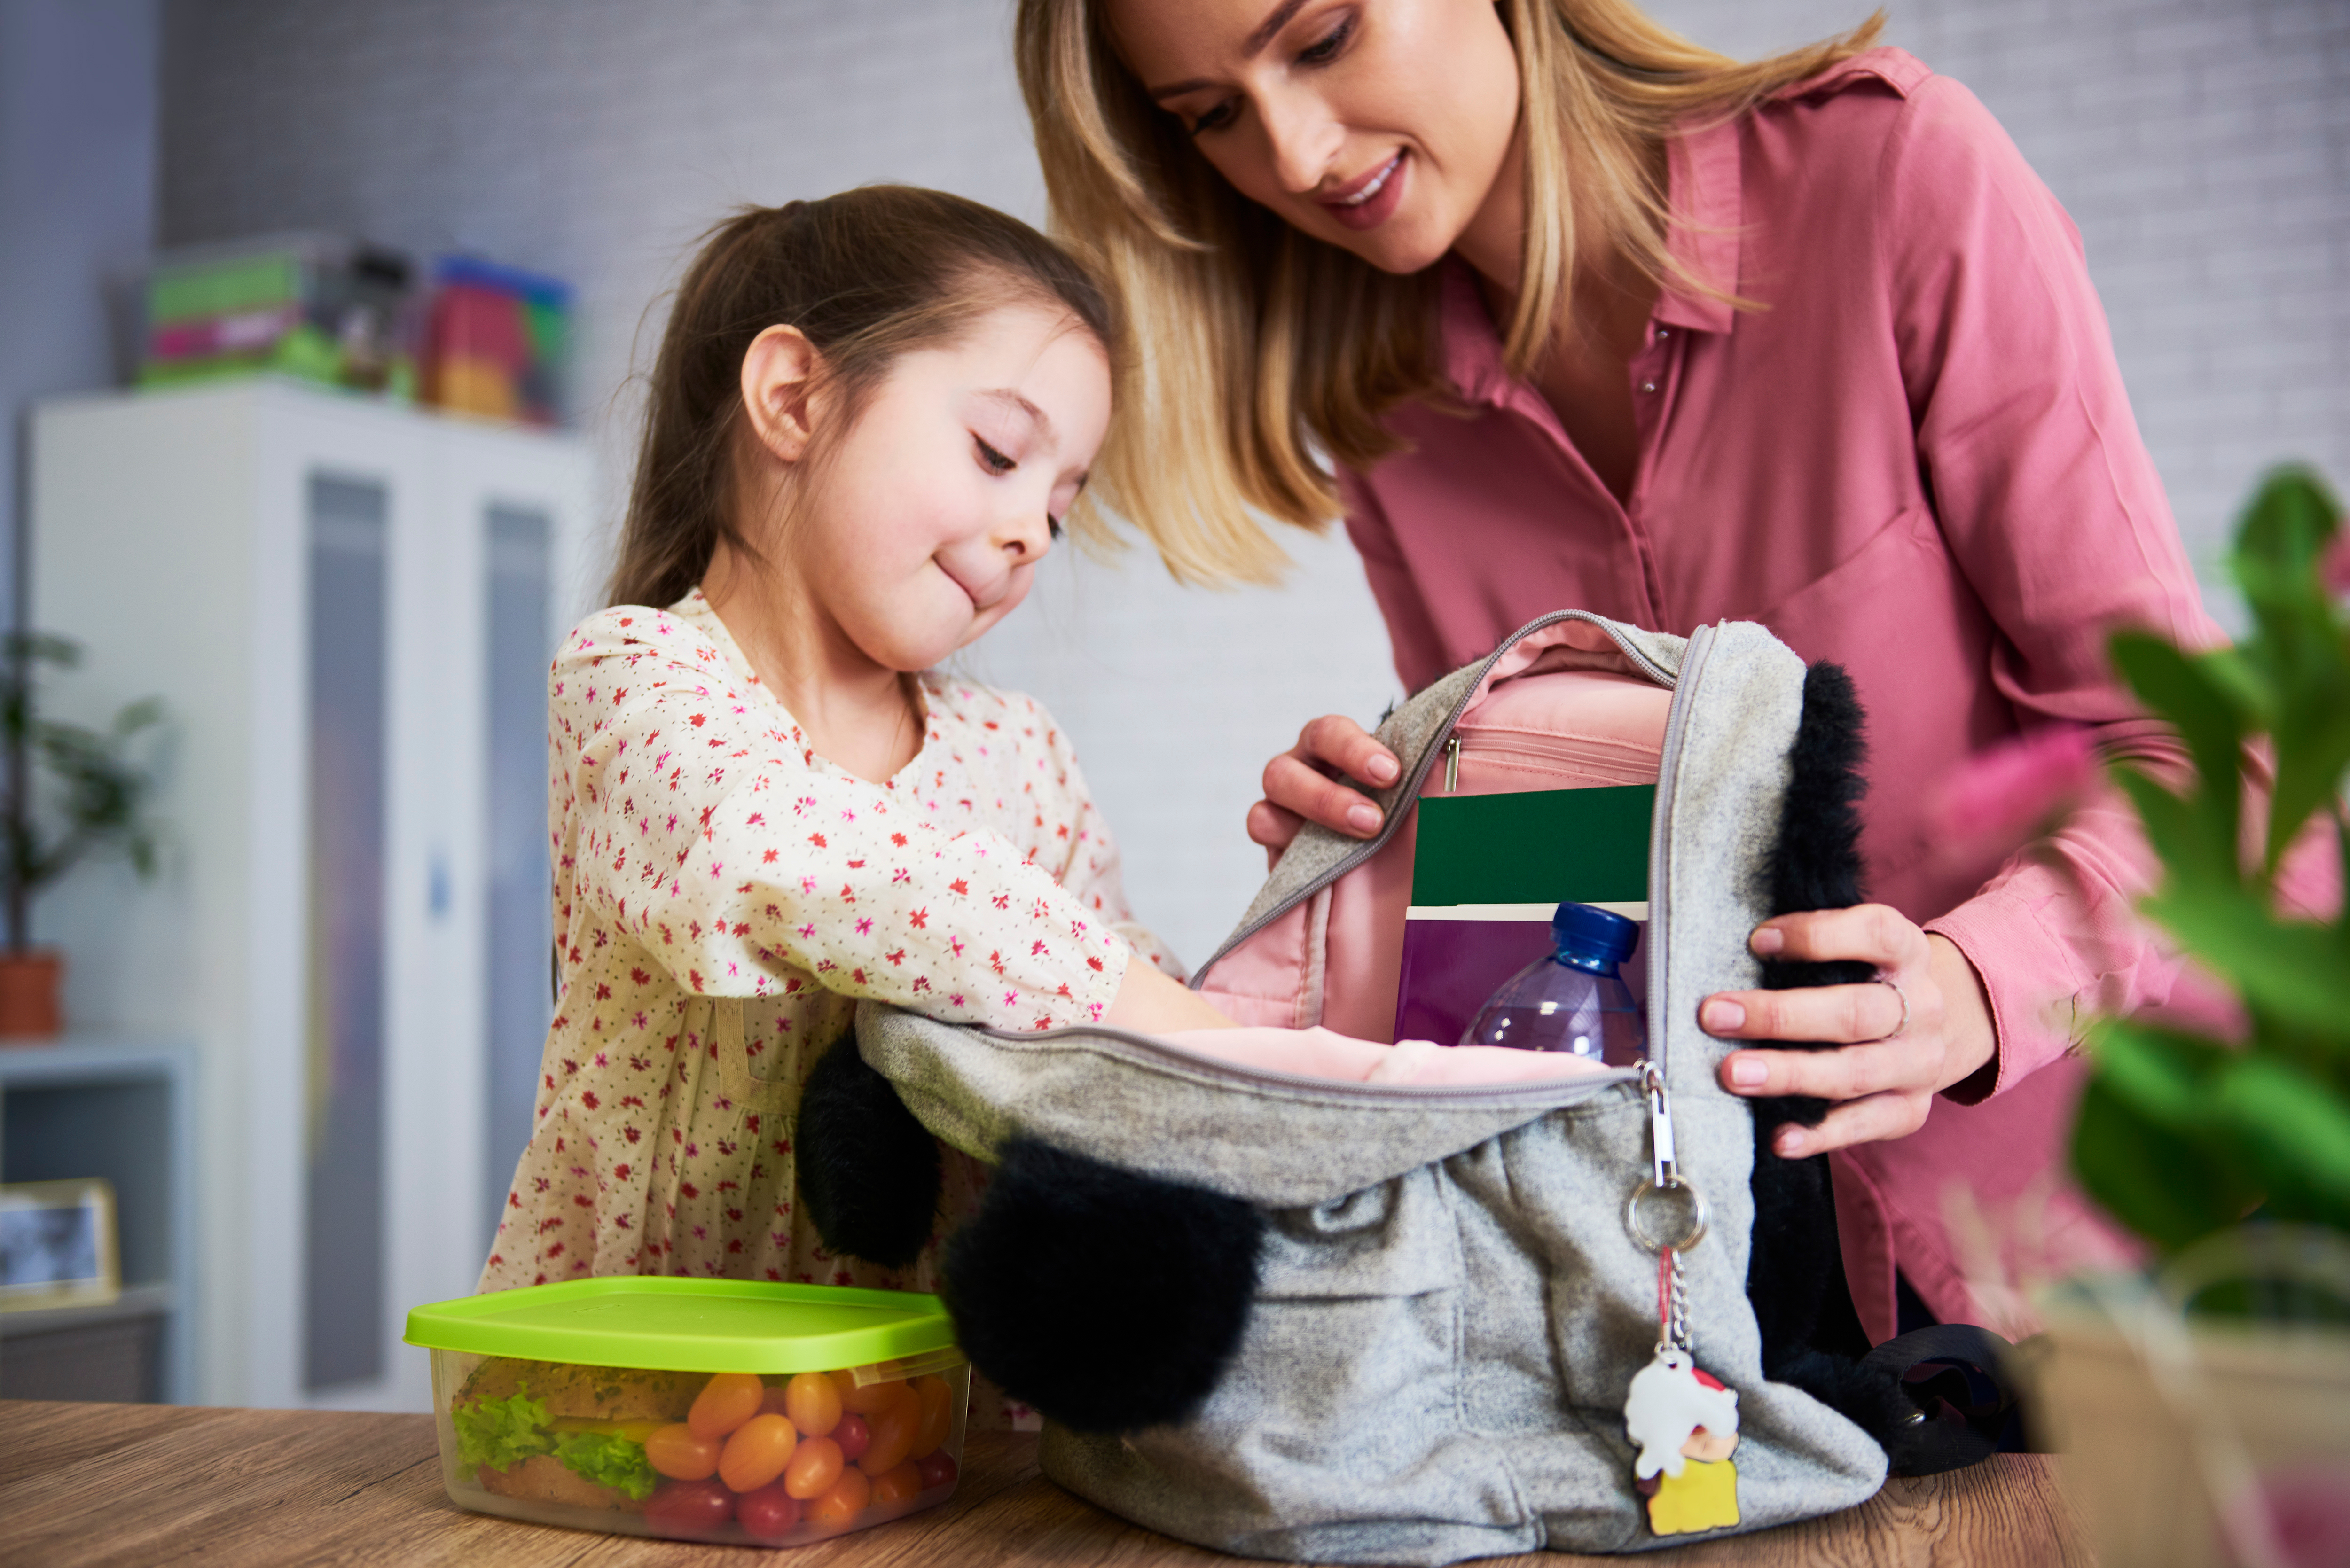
2204 1409
72 793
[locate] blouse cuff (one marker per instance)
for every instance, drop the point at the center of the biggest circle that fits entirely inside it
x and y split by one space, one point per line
2019 961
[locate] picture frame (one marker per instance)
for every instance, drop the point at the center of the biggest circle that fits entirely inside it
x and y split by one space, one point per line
58 1245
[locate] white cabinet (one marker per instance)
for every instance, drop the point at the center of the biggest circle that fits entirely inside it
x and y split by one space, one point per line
348 609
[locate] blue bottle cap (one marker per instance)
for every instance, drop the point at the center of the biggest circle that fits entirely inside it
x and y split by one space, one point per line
1593 935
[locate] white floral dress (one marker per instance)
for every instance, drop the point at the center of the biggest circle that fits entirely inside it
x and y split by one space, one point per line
725 896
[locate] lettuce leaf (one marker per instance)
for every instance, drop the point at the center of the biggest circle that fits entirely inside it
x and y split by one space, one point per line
607 1460
500 1433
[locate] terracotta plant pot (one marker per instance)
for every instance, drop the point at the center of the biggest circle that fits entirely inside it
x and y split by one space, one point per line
2188 1443
29 983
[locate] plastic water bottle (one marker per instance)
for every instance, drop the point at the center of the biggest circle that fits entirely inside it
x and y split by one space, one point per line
1575 1000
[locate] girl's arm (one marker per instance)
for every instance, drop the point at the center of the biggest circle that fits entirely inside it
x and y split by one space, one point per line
706 834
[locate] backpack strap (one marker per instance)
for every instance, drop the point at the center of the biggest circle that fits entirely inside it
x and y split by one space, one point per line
1962 1410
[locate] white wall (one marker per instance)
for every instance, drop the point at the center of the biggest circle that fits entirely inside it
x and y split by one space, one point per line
2204 146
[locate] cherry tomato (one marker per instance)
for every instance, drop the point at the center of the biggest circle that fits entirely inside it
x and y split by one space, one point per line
871 1397
674 1451
770 1513
812 1468
937 1469
725 1402
756 1452
813 1402
938 1414
691 1509
854 1438
845 1501
904 1484
893 1433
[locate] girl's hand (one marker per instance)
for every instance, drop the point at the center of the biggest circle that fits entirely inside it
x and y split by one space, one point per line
1301 785
1150 1003
1884 1083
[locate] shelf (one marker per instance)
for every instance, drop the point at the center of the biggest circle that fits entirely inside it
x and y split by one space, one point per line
151 1299
91 1058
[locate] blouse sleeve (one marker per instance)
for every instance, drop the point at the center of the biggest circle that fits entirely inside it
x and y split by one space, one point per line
704 830
2054 511
1088 865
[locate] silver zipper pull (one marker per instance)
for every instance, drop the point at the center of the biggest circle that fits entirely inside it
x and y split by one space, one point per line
1451 765
1668 1173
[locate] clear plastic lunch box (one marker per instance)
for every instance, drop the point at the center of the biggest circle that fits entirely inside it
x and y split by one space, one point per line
723 1410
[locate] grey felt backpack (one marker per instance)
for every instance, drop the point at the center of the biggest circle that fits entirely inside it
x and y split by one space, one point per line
1294 1317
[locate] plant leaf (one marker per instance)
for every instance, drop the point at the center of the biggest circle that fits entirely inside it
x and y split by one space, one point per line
2201 707
2296 1131
2292 969
2159 1173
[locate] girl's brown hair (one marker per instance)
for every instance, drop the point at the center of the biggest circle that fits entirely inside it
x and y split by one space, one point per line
1257 352
868 275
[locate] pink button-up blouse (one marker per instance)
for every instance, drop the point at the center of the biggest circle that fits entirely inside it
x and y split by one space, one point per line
1916 459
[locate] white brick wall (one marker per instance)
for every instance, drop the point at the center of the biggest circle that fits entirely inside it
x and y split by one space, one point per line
2203 145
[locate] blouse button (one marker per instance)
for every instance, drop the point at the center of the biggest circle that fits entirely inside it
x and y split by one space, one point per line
1664 332
1648 386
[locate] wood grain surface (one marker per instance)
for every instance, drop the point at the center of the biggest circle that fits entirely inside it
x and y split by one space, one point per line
87 1485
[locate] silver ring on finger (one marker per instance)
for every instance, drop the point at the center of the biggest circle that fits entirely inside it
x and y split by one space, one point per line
1898 1029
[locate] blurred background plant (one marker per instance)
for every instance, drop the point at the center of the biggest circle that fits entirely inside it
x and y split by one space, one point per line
2181 1136
72 792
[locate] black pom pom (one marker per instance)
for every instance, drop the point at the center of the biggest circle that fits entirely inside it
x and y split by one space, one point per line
868 1171
1107 1300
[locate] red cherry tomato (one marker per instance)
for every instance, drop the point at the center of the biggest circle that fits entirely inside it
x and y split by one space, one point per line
756 1452
894 1429
938 1414
902 1485
854 1438
770 1513
814 1469
845 1501
674 1451
725 1402
813 1402
936 1470
865 1399
694 1510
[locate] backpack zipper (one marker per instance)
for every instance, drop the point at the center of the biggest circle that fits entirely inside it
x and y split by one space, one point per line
1660 839
1546 1092
1409 790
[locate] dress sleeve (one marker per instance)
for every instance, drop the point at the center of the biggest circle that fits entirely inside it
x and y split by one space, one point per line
705 830
1086 862
2052 507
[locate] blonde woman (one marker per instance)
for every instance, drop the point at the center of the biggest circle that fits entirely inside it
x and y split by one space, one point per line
1581 313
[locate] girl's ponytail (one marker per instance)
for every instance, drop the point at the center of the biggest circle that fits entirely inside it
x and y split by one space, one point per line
867 275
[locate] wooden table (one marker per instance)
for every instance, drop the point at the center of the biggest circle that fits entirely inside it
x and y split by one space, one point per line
157 1484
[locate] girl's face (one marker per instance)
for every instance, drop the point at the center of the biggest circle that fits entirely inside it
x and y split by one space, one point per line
1378 125
925 524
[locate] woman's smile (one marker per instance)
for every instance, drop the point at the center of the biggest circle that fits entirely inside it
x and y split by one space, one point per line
1367 202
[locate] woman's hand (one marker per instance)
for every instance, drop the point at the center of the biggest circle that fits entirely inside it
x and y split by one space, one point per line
1150 1003
1884 1083
1300 786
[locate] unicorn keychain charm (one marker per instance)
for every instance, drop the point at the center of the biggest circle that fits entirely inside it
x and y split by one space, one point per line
1684 1421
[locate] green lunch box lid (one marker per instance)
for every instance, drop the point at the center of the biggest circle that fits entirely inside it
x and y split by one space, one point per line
688 1326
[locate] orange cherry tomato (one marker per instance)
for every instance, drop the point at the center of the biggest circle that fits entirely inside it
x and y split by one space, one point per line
813 1403
725 1402
676 1452
871 1397
756 1452
845 1501
894 1429
904 1484
938 1415
814 1469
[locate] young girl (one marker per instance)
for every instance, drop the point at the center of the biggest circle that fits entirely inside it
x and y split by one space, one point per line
868 418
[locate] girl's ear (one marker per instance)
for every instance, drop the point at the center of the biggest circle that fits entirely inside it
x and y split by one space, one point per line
778 373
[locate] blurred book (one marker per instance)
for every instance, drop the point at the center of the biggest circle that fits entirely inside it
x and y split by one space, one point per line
496 341
321 307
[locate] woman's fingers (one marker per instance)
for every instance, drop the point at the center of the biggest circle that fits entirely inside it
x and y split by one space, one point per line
1852 1014
1887 1116
1273 827
1298 782
1866 934
1846 1075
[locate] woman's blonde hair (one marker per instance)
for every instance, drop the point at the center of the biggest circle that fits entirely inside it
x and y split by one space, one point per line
1251 345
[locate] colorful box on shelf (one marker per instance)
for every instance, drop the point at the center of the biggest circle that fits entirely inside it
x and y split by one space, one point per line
321 307
496 341
723 1410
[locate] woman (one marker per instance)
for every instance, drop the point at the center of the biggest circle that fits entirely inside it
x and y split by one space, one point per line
1586 315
